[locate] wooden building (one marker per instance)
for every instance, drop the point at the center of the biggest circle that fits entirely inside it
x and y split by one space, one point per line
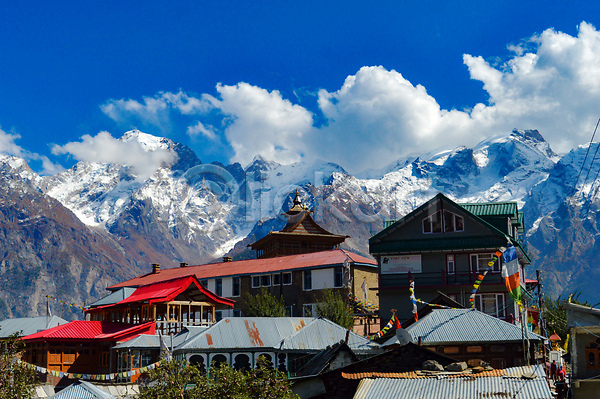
81 346
300 235
444 246
171 304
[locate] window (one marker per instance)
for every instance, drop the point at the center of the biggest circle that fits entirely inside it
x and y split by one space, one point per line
479 263
433 223
235 286
307 280
255 281
450 265
492 304
286 278
338 277
289 310
309 310
450 222
592 352
265 280
451 349
237 313
474 349
204 283
276 278
219 286
218 315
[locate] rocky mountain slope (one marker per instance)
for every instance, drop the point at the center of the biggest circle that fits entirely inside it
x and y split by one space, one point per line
95 224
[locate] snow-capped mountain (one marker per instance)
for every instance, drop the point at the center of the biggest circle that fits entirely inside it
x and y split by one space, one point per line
187 211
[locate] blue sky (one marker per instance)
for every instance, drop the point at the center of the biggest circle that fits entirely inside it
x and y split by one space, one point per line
352 82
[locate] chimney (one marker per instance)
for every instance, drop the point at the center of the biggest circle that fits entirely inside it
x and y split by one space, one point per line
227 258
155 268
183 264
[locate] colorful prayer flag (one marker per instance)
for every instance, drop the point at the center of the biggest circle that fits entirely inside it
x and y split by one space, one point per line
511 273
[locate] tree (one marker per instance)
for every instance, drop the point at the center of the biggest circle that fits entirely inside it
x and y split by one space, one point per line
263 304
180 380
16 380
169 380
336 309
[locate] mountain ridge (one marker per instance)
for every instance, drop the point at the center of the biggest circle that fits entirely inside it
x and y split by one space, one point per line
189 211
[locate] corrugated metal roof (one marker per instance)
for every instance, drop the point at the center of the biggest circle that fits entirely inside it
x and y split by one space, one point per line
251 266
146 341
460 388
463 325
115 297
321 333
82 390
288 333
29 325
247 332
492 208
85 329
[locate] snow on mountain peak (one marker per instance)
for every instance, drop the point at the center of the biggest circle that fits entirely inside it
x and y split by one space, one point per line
147 141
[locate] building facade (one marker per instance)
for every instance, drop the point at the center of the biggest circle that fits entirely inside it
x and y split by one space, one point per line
443 247
299 279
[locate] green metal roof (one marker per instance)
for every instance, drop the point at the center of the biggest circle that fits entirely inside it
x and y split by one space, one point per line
492 208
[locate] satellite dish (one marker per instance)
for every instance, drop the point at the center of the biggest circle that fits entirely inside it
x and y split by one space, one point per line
403 336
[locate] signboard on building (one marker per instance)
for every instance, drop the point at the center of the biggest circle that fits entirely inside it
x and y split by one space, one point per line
401 264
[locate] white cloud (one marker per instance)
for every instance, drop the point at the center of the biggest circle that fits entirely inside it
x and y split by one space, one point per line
551 82
378 116
263 124
205 130
154 111
8 145
555 89
104 148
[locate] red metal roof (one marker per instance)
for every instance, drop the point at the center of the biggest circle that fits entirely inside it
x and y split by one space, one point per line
250 266
97 330
165 291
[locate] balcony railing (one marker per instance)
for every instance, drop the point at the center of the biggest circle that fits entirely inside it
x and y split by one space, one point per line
437 279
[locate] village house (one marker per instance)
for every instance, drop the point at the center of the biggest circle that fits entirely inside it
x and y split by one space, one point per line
296 263
443 247
466 334
583 323
288 343
84 347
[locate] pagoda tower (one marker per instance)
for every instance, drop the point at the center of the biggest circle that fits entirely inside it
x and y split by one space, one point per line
300 235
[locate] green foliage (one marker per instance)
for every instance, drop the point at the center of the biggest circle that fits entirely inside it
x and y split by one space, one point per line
336 309
179 380
16 380
263 304
556 315
169 380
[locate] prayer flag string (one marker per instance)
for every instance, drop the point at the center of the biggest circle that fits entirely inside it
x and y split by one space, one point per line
361 304
480 277
73 305
394 322
95 377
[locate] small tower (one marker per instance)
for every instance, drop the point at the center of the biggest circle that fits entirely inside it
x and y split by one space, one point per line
300 235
